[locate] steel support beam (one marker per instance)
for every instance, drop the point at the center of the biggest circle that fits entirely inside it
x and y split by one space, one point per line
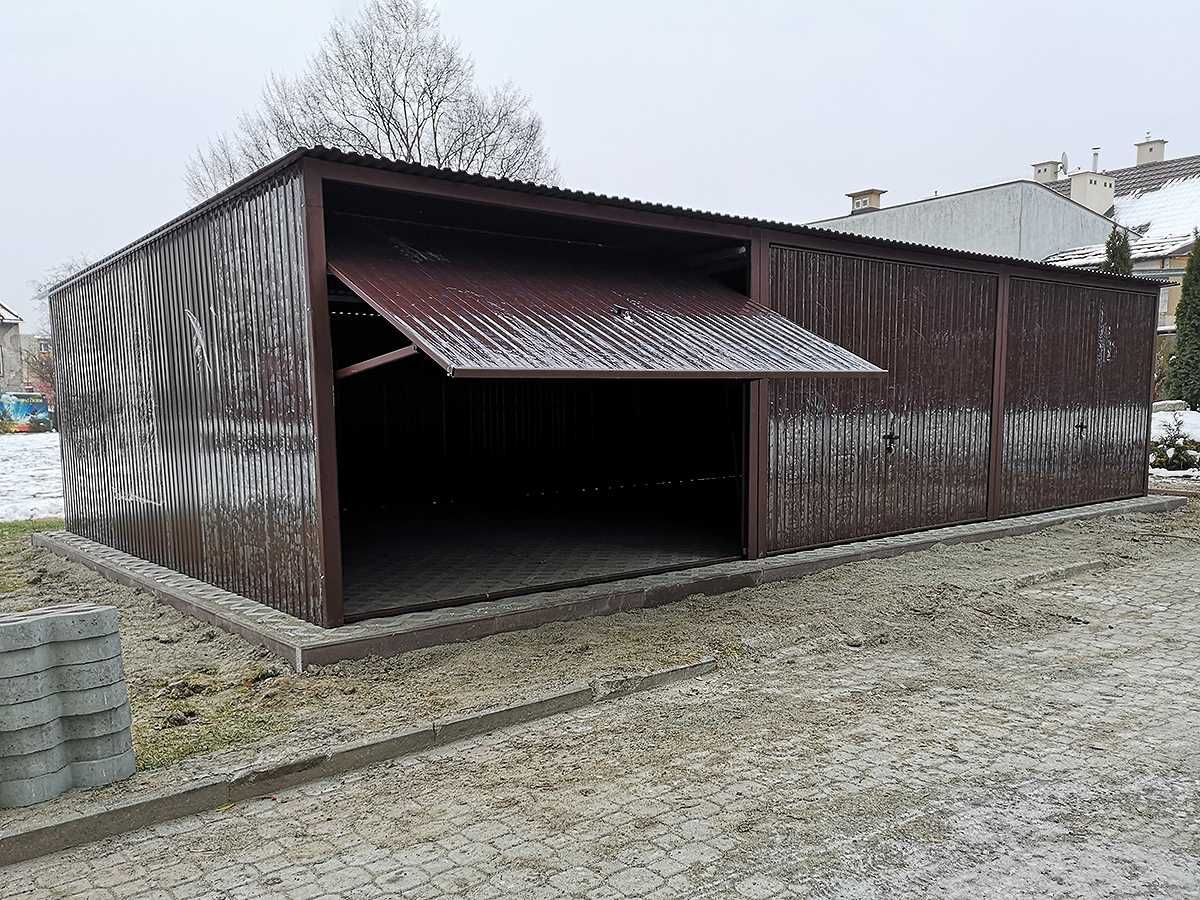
375 362
757 468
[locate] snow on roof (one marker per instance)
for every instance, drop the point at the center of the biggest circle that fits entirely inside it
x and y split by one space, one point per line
1166 217
1172 209
7 316
1147 248
1161 201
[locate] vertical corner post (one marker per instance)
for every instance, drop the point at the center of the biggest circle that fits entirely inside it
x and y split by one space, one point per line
325 424
758 439
1150 400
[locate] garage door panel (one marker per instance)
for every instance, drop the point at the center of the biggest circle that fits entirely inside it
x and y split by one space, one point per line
1076 389
906 451
507 307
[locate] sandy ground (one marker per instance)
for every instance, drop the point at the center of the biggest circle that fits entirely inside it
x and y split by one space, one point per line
30 476
1015 744
207 702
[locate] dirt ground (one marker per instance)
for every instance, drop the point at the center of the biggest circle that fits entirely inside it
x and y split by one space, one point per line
206 702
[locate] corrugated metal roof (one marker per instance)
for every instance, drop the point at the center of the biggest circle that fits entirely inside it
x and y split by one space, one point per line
358 159
514 307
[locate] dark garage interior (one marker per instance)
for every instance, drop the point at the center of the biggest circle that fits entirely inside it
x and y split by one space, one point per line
456 490
453 490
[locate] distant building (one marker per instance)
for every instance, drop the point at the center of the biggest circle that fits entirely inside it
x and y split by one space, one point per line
1159 200
1021 219
12 365
37 352
1058 218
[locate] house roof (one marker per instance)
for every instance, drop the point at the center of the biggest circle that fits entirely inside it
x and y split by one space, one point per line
982 189
357 159
1149 248
1146 177
7 316
1158 200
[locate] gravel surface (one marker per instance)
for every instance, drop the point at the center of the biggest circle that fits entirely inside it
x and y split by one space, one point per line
1001 742
205 701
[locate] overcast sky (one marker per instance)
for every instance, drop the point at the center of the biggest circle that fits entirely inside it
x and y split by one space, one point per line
765 108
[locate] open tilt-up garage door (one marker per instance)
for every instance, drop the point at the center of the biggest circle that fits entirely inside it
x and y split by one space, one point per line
594 424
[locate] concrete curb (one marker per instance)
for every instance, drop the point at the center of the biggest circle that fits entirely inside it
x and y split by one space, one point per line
204 794
1059 573
622 687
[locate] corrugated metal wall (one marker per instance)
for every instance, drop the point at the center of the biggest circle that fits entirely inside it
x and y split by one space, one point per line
185 401
1077 386
851 459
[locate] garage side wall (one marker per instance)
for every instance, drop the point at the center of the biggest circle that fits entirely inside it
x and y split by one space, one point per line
186 402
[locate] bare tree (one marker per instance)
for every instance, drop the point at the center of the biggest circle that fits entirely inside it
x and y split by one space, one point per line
386 83
38 364
52 276
39 372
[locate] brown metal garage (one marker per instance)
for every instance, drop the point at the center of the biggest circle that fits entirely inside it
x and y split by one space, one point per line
349 387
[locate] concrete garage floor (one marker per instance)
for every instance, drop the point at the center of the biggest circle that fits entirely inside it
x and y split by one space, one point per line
1005 742
432 557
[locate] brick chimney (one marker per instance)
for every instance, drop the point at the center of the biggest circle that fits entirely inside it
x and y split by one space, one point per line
865 201
1046 171
1151 150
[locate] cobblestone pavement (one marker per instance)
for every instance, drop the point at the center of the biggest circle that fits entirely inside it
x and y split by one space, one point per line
1063 764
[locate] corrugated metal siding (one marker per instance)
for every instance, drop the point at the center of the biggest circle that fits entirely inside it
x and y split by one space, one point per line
503 307
185 401
1077 387
831 474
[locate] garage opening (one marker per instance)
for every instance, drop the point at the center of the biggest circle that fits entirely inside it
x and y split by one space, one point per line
455 490
520 412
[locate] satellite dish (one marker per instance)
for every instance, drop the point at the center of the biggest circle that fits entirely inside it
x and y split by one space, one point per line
1065 170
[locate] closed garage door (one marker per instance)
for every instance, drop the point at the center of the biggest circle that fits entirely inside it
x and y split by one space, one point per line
1076 387
855 459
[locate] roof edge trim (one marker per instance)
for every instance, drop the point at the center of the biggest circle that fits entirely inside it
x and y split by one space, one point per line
329 155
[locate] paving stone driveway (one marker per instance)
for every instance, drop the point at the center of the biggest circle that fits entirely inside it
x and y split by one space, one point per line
1067 765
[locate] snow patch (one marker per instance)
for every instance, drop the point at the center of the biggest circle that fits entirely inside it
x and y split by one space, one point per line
30 476
1189 417
1174 473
